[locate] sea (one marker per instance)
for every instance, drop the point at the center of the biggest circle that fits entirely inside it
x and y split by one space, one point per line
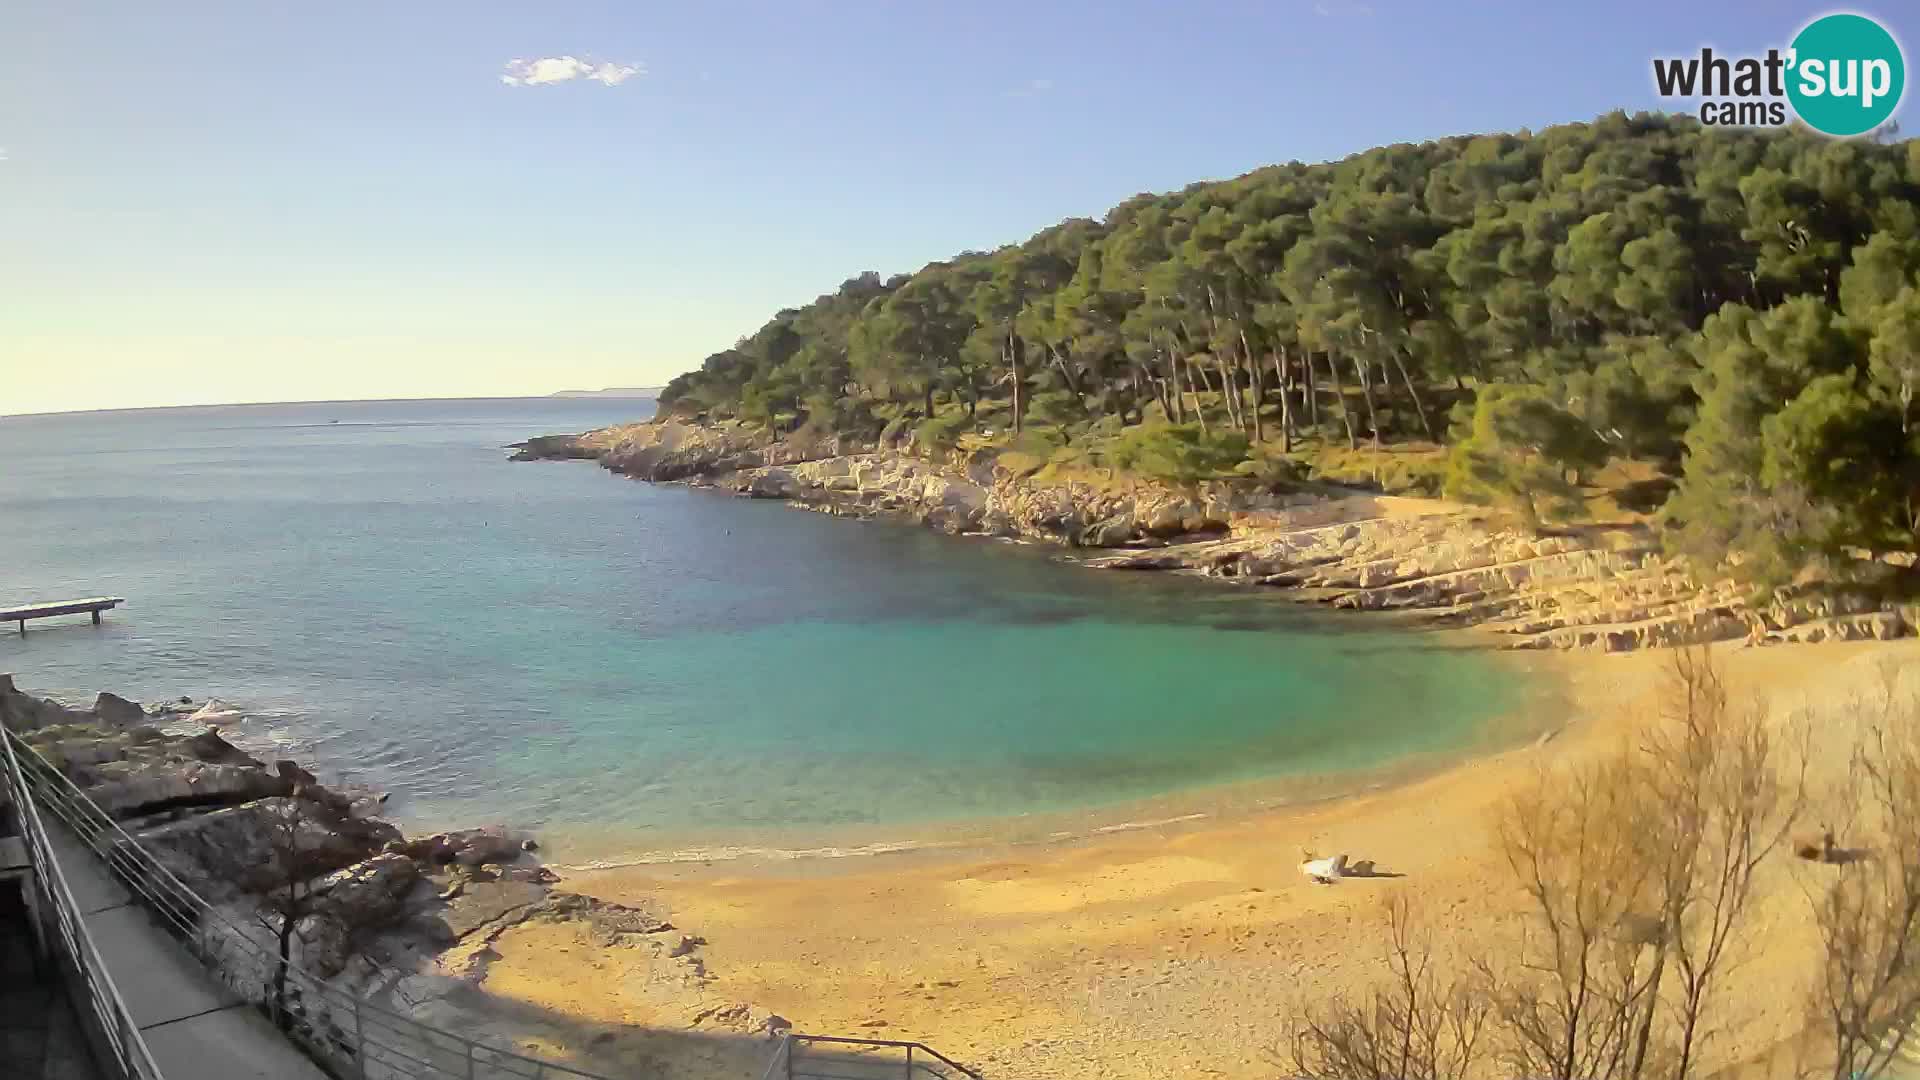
642 672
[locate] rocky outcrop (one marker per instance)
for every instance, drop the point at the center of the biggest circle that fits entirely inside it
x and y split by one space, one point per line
259 845
973 494
118 711
551 446
1602 588
469 847
24 712
369 893
405 923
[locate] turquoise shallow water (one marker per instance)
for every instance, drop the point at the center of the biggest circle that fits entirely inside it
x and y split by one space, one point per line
549 645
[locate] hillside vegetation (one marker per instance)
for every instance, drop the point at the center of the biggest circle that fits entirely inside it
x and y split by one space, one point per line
1731 316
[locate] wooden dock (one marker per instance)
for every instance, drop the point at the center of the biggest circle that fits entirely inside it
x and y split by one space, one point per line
92 605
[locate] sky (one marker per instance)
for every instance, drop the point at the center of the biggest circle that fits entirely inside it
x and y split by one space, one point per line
225 202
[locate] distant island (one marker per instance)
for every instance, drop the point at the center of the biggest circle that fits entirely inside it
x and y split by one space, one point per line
611 392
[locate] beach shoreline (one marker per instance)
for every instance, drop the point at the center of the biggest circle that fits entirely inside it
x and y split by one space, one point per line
1539 714
1180 946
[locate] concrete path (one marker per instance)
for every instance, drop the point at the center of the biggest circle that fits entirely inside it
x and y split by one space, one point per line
195 1027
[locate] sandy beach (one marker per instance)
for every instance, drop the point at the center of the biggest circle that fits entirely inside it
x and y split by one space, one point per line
1144 953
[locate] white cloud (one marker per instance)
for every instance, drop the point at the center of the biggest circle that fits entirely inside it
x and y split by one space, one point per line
558 69
1032 88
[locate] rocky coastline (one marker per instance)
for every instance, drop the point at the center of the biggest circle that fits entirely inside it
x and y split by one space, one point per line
403 922
1598 587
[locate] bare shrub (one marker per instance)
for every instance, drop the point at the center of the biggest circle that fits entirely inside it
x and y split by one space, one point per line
1416 1025
1636 871
1866 994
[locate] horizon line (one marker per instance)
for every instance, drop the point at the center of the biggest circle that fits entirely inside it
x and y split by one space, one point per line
558 395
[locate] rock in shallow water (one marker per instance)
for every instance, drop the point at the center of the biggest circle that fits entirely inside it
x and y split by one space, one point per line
468 847
118 711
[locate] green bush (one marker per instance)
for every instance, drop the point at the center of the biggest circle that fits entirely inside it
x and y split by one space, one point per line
942 433
1178 454
1521 446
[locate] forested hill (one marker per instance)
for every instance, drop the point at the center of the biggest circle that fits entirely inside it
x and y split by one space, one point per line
1737 306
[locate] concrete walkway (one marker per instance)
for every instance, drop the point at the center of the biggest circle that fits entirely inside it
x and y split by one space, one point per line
195 1027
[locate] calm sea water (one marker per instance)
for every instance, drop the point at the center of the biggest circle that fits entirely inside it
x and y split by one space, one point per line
545 644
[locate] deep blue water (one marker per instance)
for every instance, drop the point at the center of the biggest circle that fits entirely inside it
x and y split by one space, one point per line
546 644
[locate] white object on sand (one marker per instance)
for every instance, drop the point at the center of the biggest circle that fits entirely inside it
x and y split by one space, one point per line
1325 871
216 712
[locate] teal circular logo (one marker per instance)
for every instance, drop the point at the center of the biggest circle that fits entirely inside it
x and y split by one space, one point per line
1846 75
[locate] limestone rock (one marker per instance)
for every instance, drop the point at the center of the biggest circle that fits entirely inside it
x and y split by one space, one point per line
369 893
609 922
247 848
209 747
773 483
467 847
484 902
23 712
1110 532
422 989
128 788
738 1016
323 945
118 711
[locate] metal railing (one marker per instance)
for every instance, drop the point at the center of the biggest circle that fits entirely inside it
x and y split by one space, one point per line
116 1038
796 1058
346 1034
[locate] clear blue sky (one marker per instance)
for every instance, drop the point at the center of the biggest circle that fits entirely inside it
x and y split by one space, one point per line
231 202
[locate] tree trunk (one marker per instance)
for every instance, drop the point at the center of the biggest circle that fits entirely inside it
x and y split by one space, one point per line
1014 348
1199 411
1173 398
1205 383
1418 405
1229 382
1643 1024
1340 393
1366 391
281 1018
1229 393
1286 402
1256 385
1310 388
1060 361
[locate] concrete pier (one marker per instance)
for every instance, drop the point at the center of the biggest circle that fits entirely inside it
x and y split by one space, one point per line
92 605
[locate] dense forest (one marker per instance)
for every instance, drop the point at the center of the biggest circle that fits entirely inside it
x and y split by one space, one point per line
1737 309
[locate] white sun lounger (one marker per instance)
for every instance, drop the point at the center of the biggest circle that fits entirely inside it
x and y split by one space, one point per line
1325 871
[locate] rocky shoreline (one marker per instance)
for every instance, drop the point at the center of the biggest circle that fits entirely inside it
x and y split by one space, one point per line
1601 587
404 922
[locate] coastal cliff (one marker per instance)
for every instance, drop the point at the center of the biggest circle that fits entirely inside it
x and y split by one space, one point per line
1604 587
